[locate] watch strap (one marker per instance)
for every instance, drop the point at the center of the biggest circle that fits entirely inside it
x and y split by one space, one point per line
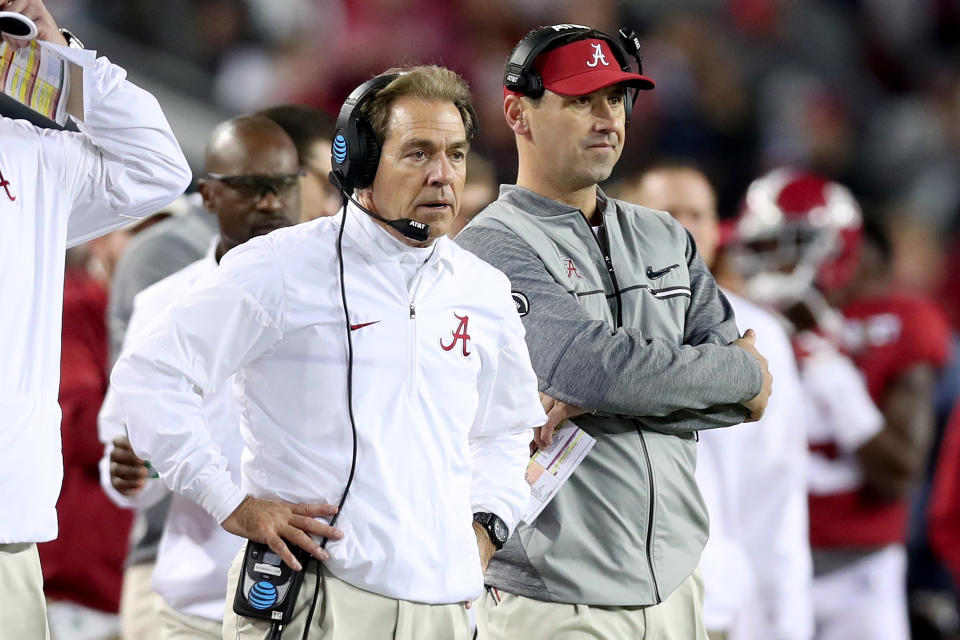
496 528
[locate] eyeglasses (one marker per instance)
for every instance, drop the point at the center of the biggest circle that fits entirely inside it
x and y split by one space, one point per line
256 186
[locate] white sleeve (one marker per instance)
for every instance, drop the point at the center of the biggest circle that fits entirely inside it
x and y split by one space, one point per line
227 320
508 410
837 387
110 421
153 489
125 162
110 425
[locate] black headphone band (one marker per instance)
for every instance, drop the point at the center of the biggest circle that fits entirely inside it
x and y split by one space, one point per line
352 106
520 64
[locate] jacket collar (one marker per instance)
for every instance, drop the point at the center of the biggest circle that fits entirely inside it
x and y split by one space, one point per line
376 244
211 254
538 205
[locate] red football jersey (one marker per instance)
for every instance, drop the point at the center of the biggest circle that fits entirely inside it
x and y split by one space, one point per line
885 337
944 515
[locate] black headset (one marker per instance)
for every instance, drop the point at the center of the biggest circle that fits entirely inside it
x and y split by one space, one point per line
521 77
355 152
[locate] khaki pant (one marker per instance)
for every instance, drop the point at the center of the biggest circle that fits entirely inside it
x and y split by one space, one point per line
23 608
504 616
182 626
345 612
139 604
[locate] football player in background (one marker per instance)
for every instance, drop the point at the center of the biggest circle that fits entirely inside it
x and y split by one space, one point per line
799 239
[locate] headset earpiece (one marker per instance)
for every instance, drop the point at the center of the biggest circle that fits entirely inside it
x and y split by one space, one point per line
369 158
355 152
519 75
630 47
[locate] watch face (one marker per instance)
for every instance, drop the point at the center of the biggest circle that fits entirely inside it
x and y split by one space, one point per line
500 530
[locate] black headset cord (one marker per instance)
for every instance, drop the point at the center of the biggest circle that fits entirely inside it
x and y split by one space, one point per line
353 424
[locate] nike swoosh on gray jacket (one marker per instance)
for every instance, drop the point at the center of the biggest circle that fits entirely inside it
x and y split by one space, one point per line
650 359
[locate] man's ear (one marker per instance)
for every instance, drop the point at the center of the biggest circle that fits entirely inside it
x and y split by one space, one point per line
365 198
514 110
208 194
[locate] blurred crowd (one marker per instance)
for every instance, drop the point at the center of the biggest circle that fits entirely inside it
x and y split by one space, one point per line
864 92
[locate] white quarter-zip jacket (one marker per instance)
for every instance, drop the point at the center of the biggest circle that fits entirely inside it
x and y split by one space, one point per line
59 189
443 394
195 551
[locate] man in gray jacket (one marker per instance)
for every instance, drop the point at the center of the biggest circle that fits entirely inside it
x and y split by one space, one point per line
627 329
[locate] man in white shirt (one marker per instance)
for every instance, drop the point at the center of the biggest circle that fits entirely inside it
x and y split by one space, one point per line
259 192
381 369
59 189
756 564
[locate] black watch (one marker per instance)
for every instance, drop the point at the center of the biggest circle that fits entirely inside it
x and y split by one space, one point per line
496 528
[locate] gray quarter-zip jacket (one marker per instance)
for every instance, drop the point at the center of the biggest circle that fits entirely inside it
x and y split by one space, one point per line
627 322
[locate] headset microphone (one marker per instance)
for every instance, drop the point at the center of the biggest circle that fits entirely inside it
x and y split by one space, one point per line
416 231
412 229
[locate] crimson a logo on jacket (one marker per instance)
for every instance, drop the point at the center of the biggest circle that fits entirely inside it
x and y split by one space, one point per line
6 187
571 268
459 334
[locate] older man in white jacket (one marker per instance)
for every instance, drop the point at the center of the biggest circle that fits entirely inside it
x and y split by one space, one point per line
429 364
59 189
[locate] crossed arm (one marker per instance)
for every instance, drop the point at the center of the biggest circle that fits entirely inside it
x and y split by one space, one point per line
583 365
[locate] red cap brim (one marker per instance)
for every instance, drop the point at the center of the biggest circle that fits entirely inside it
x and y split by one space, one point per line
584 83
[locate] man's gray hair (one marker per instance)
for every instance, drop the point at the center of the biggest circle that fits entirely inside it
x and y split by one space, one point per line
425 82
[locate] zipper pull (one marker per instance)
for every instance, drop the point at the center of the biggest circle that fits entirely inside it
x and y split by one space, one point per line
609 262
413 311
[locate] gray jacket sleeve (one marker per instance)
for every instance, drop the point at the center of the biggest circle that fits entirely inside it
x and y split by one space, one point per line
710 320
584 362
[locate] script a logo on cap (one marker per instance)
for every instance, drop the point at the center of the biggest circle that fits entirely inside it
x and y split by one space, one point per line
598 56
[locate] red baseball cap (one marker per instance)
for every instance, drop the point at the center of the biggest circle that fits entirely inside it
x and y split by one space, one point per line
584 66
